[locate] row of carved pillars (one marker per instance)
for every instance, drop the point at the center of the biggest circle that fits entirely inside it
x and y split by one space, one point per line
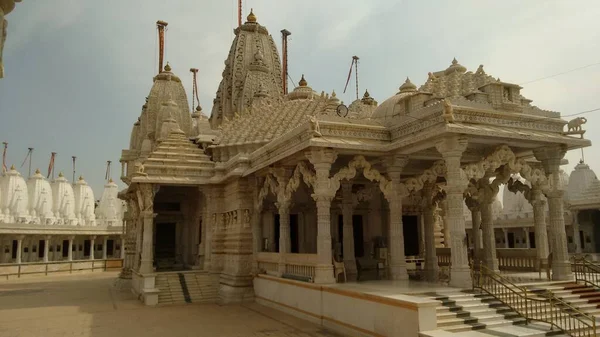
483 223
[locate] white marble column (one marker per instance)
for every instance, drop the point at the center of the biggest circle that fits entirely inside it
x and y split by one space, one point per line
451 149
70 256
489 238
147 260
526 234
122 250
576 237
540 227
394 167
428 212
285 241
505 234
322 159
104 250
475 209
551 157
92 247
46 247
19 249
348 230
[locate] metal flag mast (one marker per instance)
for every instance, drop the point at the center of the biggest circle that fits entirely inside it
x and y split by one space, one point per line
284 51
4 168
28 156
355 64
195 97
74 158
107 176
161 26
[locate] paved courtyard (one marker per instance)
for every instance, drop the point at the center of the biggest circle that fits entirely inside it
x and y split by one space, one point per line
91 305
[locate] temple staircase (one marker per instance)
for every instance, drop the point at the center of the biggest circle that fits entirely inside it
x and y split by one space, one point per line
186 287
471 313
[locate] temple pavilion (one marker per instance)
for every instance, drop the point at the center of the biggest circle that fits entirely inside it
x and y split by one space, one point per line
297 186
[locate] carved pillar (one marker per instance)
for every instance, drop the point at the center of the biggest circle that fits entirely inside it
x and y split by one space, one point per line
540 228
397 267
104 250
428 212
475 209
505 233
576 237
19 248
451 149
257 233
122 251
211 224
526 234
487 228
550 158
445 228
348 230
322 159
147 194
92 247
46 247
70 256
285 241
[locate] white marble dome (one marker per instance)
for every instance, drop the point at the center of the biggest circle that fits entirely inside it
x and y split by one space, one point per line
110 209
40 197
390 108
581 177
64 201
15 199
84 203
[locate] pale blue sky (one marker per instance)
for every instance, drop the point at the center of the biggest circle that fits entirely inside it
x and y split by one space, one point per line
77 71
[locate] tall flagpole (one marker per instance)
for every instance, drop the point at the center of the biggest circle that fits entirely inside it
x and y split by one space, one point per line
30 158
73 181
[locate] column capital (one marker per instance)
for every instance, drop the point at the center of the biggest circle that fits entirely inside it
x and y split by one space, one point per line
452 146
20 237
322 197
321 156
551 153
71 237
93 237
47 237
394 164
472 204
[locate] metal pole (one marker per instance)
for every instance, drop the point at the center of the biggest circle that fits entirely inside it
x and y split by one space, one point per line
30 158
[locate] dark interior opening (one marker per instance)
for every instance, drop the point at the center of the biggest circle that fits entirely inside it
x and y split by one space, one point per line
410 225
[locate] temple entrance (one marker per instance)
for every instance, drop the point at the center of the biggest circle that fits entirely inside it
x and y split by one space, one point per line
410 225
164 245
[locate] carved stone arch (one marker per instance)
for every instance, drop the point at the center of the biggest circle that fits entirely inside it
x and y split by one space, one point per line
349 172
430 175
269 186
503 155
302 171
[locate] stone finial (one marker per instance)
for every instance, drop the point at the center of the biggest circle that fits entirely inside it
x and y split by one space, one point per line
81 178
408 86
12 167
167 67
480 70
198 108
366 95
251 17
455 67
60 175
333 95
303 82
37 171
110 181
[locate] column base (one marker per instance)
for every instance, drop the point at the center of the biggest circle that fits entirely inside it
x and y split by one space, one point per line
561 271
324 274
125 274
399 273
461 277
432 274
492 265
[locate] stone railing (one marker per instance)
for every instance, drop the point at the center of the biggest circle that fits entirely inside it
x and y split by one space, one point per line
443 257
14 270
302 265
517 259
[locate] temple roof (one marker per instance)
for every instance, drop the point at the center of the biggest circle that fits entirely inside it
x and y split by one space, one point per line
581 177
176 160
589 198
253 61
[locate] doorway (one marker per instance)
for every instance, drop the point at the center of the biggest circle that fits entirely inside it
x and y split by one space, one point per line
65 248
511 240
294 239
357 234
410 225
164 247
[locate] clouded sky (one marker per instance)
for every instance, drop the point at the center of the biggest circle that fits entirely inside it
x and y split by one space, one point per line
77 71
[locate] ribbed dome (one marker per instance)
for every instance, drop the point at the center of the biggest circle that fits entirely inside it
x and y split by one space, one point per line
40 197
581 177
388 108
84 203
109 209
252 59
64 200
166 87
15 198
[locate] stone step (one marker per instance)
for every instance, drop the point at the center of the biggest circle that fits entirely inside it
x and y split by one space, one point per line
484 325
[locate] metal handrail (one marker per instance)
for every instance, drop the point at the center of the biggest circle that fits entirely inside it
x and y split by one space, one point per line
543 307
586 271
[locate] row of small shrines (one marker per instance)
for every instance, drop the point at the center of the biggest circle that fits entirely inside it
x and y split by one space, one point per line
38 201
16 249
